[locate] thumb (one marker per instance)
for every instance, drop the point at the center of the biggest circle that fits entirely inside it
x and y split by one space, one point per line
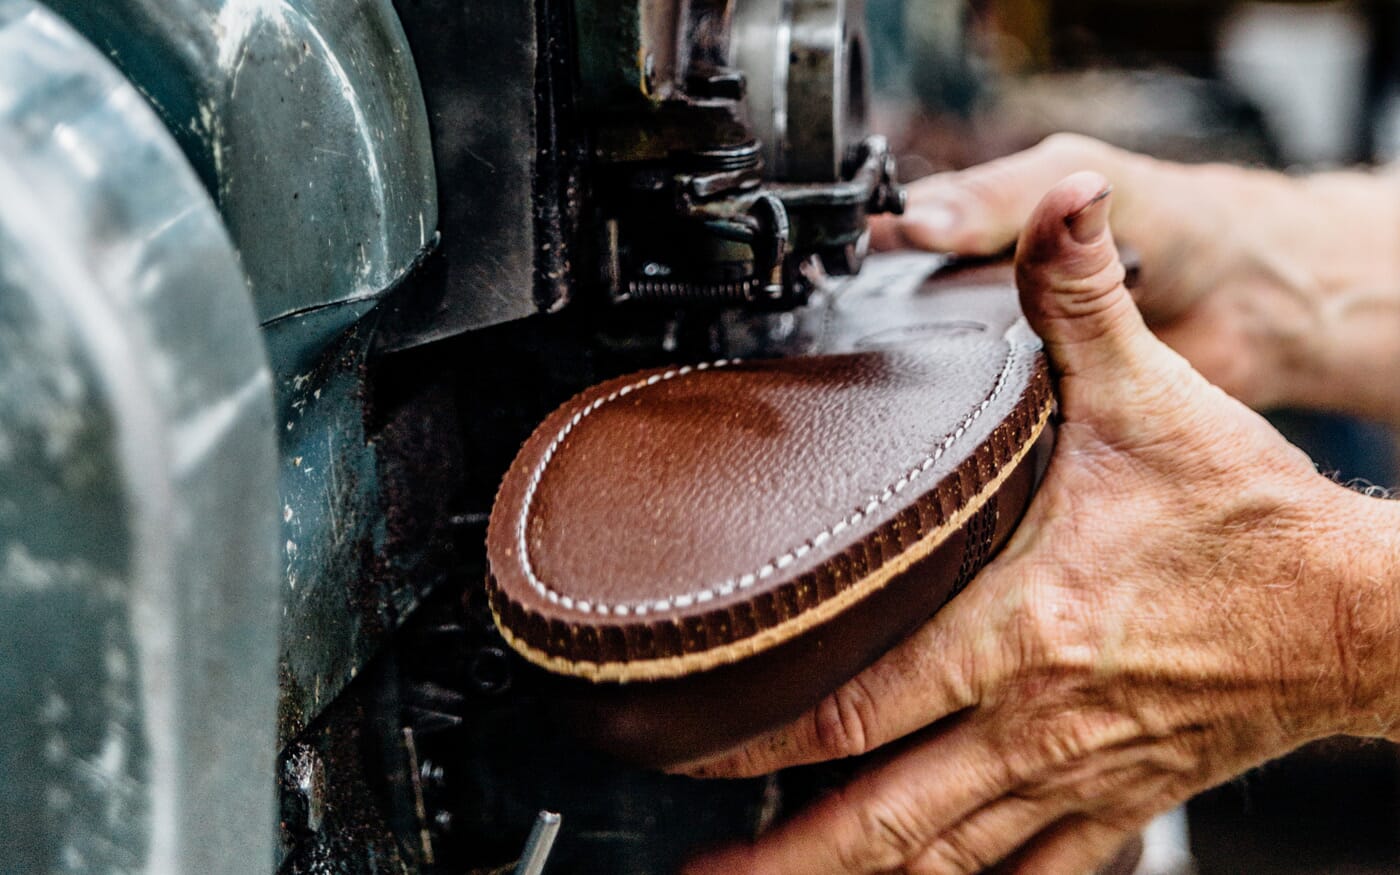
1071 283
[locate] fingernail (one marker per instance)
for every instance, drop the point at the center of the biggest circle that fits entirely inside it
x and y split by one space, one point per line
1090 221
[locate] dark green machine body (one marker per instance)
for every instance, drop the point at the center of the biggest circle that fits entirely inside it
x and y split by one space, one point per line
138 588
283 285
215 222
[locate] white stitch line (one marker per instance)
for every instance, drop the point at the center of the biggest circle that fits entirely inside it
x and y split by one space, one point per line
746 581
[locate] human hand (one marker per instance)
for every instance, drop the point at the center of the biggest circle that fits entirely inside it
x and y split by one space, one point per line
1280 290
1173 610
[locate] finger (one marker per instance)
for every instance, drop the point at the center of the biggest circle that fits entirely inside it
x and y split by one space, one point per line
985 838
884 818
1071 283
1075 846
980 211
1124 778
926 678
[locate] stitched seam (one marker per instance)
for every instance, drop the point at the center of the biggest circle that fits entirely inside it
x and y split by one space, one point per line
745 581
655 668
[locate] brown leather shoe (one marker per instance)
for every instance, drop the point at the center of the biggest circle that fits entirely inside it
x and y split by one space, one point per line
708 550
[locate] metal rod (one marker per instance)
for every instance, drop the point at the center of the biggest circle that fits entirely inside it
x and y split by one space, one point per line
539 844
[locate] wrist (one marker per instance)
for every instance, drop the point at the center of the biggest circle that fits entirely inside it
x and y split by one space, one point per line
1326 612
1299 276
1356 553
1329 289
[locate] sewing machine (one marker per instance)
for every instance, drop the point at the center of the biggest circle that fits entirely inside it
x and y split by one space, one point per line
319 267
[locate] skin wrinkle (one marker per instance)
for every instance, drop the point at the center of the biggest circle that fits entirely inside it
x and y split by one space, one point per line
1373 703
964 849
1376 716
1366 621
847 725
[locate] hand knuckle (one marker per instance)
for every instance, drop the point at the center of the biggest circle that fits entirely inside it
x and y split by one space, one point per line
1054 630
845 722
955 853
894 832
1070 146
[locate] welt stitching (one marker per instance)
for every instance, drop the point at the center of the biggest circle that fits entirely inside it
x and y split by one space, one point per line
745 581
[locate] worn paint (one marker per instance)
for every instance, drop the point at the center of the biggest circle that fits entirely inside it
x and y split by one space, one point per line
307 122
332 528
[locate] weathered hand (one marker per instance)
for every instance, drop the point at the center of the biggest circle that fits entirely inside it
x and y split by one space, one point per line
1280 290
1169 614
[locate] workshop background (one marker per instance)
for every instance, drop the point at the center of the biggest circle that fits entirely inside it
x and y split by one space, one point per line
1292 86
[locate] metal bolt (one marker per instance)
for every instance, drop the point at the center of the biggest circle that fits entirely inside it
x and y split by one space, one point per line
432 774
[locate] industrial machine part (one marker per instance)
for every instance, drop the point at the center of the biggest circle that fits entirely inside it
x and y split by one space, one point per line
138 584
305 120
721 186
808 65
448 217
541 841
633 136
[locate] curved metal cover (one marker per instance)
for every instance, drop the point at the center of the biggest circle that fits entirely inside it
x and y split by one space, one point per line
137 491
305 119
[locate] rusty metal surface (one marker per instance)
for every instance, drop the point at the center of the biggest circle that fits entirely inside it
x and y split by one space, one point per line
137 491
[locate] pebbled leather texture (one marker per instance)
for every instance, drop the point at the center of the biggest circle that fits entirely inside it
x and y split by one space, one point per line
673 512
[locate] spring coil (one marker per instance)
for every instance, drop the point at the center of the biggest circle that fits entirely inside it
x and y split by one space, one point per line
663 290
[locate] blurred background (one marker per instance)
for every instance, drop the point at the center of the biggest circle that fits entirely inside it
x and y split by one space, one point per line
1292 86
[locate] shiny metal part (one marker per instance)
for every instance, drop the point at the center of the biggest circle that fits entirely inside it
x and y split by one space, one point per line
721 191
540 843
761 46
807 68
138 585
306 121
